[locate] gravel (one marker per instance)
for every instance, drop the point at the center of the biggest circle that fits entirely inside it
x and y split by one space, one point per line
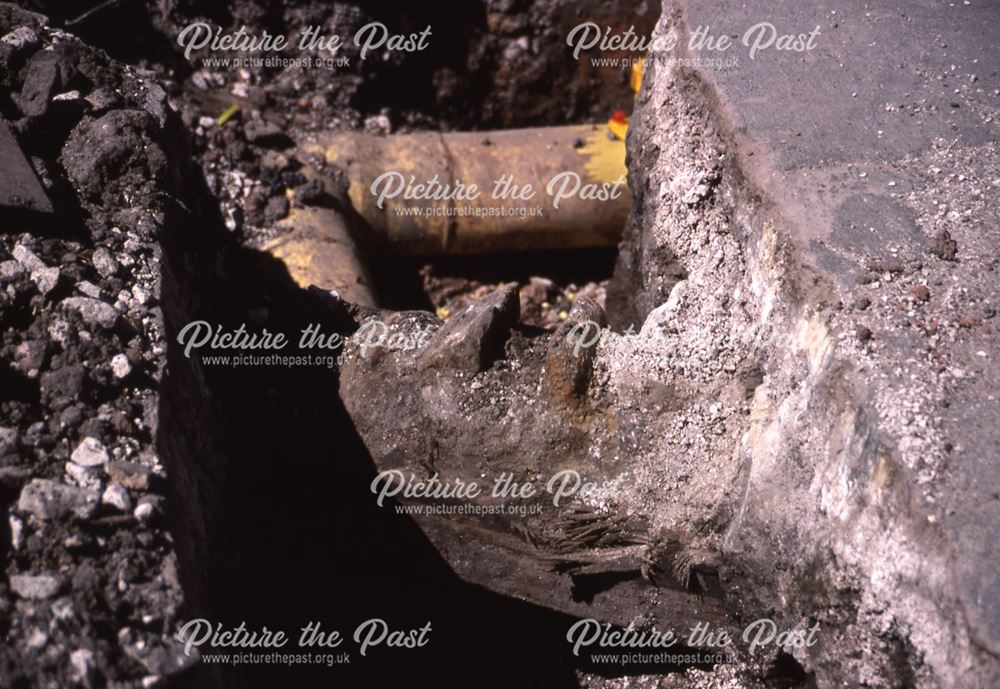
46 279
90 453
93 311
81 366
49 500
35 587
120 366
8 440
117 496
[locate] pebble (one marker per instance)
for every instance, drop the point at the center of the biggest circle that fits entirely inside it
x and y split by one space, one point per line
34 587
466 340
37 640
16 532
272 160
93 311
90 453
82 663
47 499
29 357
378 124
21 37
147 507
162 659
116 496
141 294
265 133
89 289
45 279
85 477
10 270
696 194
943 246
920 293
120 366
27 258
8 440
60 331
104 262
62 610
233 219
102 99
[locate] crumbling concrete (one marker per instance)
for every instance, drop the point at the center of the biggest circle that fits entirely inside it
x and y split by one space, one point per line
804 418
793 416
863 465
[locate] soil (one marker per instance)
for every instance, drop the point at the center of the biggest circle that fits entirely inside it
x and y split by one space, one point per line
140 489
125 135
94 584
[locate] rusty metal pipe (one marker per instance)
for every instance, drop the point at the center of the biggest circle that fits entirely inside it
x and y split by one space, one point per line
317 249
414 190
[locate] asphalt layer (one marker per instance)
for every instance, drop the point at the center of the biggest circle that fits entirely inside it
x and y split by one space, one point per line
869 144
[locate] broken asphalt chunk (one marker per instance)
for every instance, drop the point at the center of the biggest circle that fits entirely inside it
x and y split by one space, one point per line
473 339
19 186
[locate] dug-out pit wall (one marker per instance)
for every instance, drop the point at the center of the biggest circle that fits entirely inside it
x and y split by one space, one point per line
273 518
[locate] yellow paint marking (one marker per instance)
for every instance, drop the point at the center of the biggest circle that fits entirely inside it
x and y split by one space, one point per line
605 157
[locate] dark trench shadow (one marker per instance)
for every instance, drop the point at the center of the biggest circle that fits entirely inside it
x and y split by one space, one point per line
275 523
398 278
273 518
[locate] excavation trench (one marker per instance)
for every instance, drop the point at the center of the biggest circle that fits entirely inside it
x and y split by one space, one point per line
274 519
274 465
783 418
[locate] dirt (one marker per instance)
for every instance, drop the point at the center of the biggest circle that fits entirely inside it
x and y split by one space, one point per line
140 488
82 353
81 359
